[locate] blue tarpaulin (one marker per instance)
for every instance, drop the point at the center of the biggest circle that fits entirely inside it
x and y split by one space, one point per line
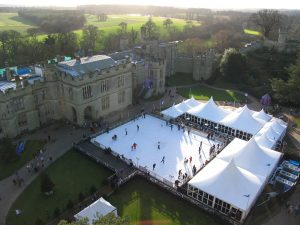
23 71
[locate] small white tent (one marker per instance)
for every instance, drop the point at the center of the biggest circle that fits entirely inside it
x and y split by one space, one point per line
181 108
97 209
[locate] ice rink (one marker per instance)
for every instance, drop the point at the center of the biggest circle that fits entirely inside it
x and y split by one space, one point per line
175 146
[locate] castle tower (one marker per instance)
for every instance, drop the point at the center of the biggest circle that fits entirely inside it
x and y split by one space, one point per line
203 66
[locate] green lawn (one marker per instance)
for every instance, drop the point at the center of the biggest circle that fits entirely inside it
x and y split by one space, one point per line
72 173
204 93
179 79
31 147
11 21
144 203
252 32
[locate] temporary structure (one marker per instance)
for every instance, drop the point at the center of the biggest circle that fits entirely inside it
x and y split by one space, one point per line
262 115
97 209
250 156
181 108
229 183
209 111
242 120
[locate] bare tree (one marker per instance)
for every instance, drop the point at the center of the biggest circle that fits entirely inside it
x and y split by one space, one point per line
267 20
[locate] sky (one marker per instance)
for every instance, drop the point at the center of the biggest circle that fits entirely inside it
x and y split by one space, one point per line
213 4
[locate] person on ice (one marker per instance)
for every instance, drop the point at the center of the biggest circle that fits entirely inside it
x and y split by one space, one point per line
134 145
154 165
137 127
163 160
158 145
191 159
125 131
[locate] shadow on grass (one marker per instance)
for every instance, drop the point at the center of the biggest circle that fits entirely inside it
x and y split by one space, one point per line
26 22
146 203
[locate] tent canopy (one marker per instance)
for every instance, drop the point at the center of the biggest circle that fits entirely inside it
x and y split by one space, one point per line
229 183
181 108
262 115
209 111
245 154
241 119
100 208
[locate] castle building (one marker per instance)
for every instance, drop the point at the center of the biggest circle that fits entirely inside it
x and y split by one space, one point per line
83 90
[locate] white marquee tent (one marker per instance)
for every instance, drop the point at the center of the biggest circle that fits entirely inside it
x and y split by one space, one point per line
243 120
262 115
181 108
264 141
209 111
229 183
250 156
99 208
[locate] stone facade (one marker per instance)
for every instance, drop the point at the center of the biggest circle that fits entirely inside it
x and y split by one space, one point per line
88 89
79 99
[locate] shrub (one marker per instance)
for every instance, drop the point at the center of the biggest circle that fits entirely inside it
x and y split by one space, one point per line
80 196
47 184
93 189
39 222
70 204
56 212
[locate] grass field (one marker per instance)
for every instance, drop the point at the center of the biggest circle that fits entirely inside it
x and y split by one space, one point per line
31 147
204 93
144 203
72 173
11 21
252 32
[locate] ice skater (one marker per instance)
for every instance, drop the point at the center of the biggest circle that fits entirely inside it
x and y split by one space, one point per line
191 159
171 127
137 127
158 145
134 145
154 165
163 160
125 131
179 173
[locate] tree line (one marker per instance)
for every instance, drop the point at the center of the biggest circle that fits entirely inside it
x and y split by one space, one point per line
54 21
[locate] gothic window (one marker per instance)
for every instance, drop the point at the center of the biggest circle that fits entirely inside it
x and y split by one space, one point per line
86 92
103 86
121 97
105 102
121 81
